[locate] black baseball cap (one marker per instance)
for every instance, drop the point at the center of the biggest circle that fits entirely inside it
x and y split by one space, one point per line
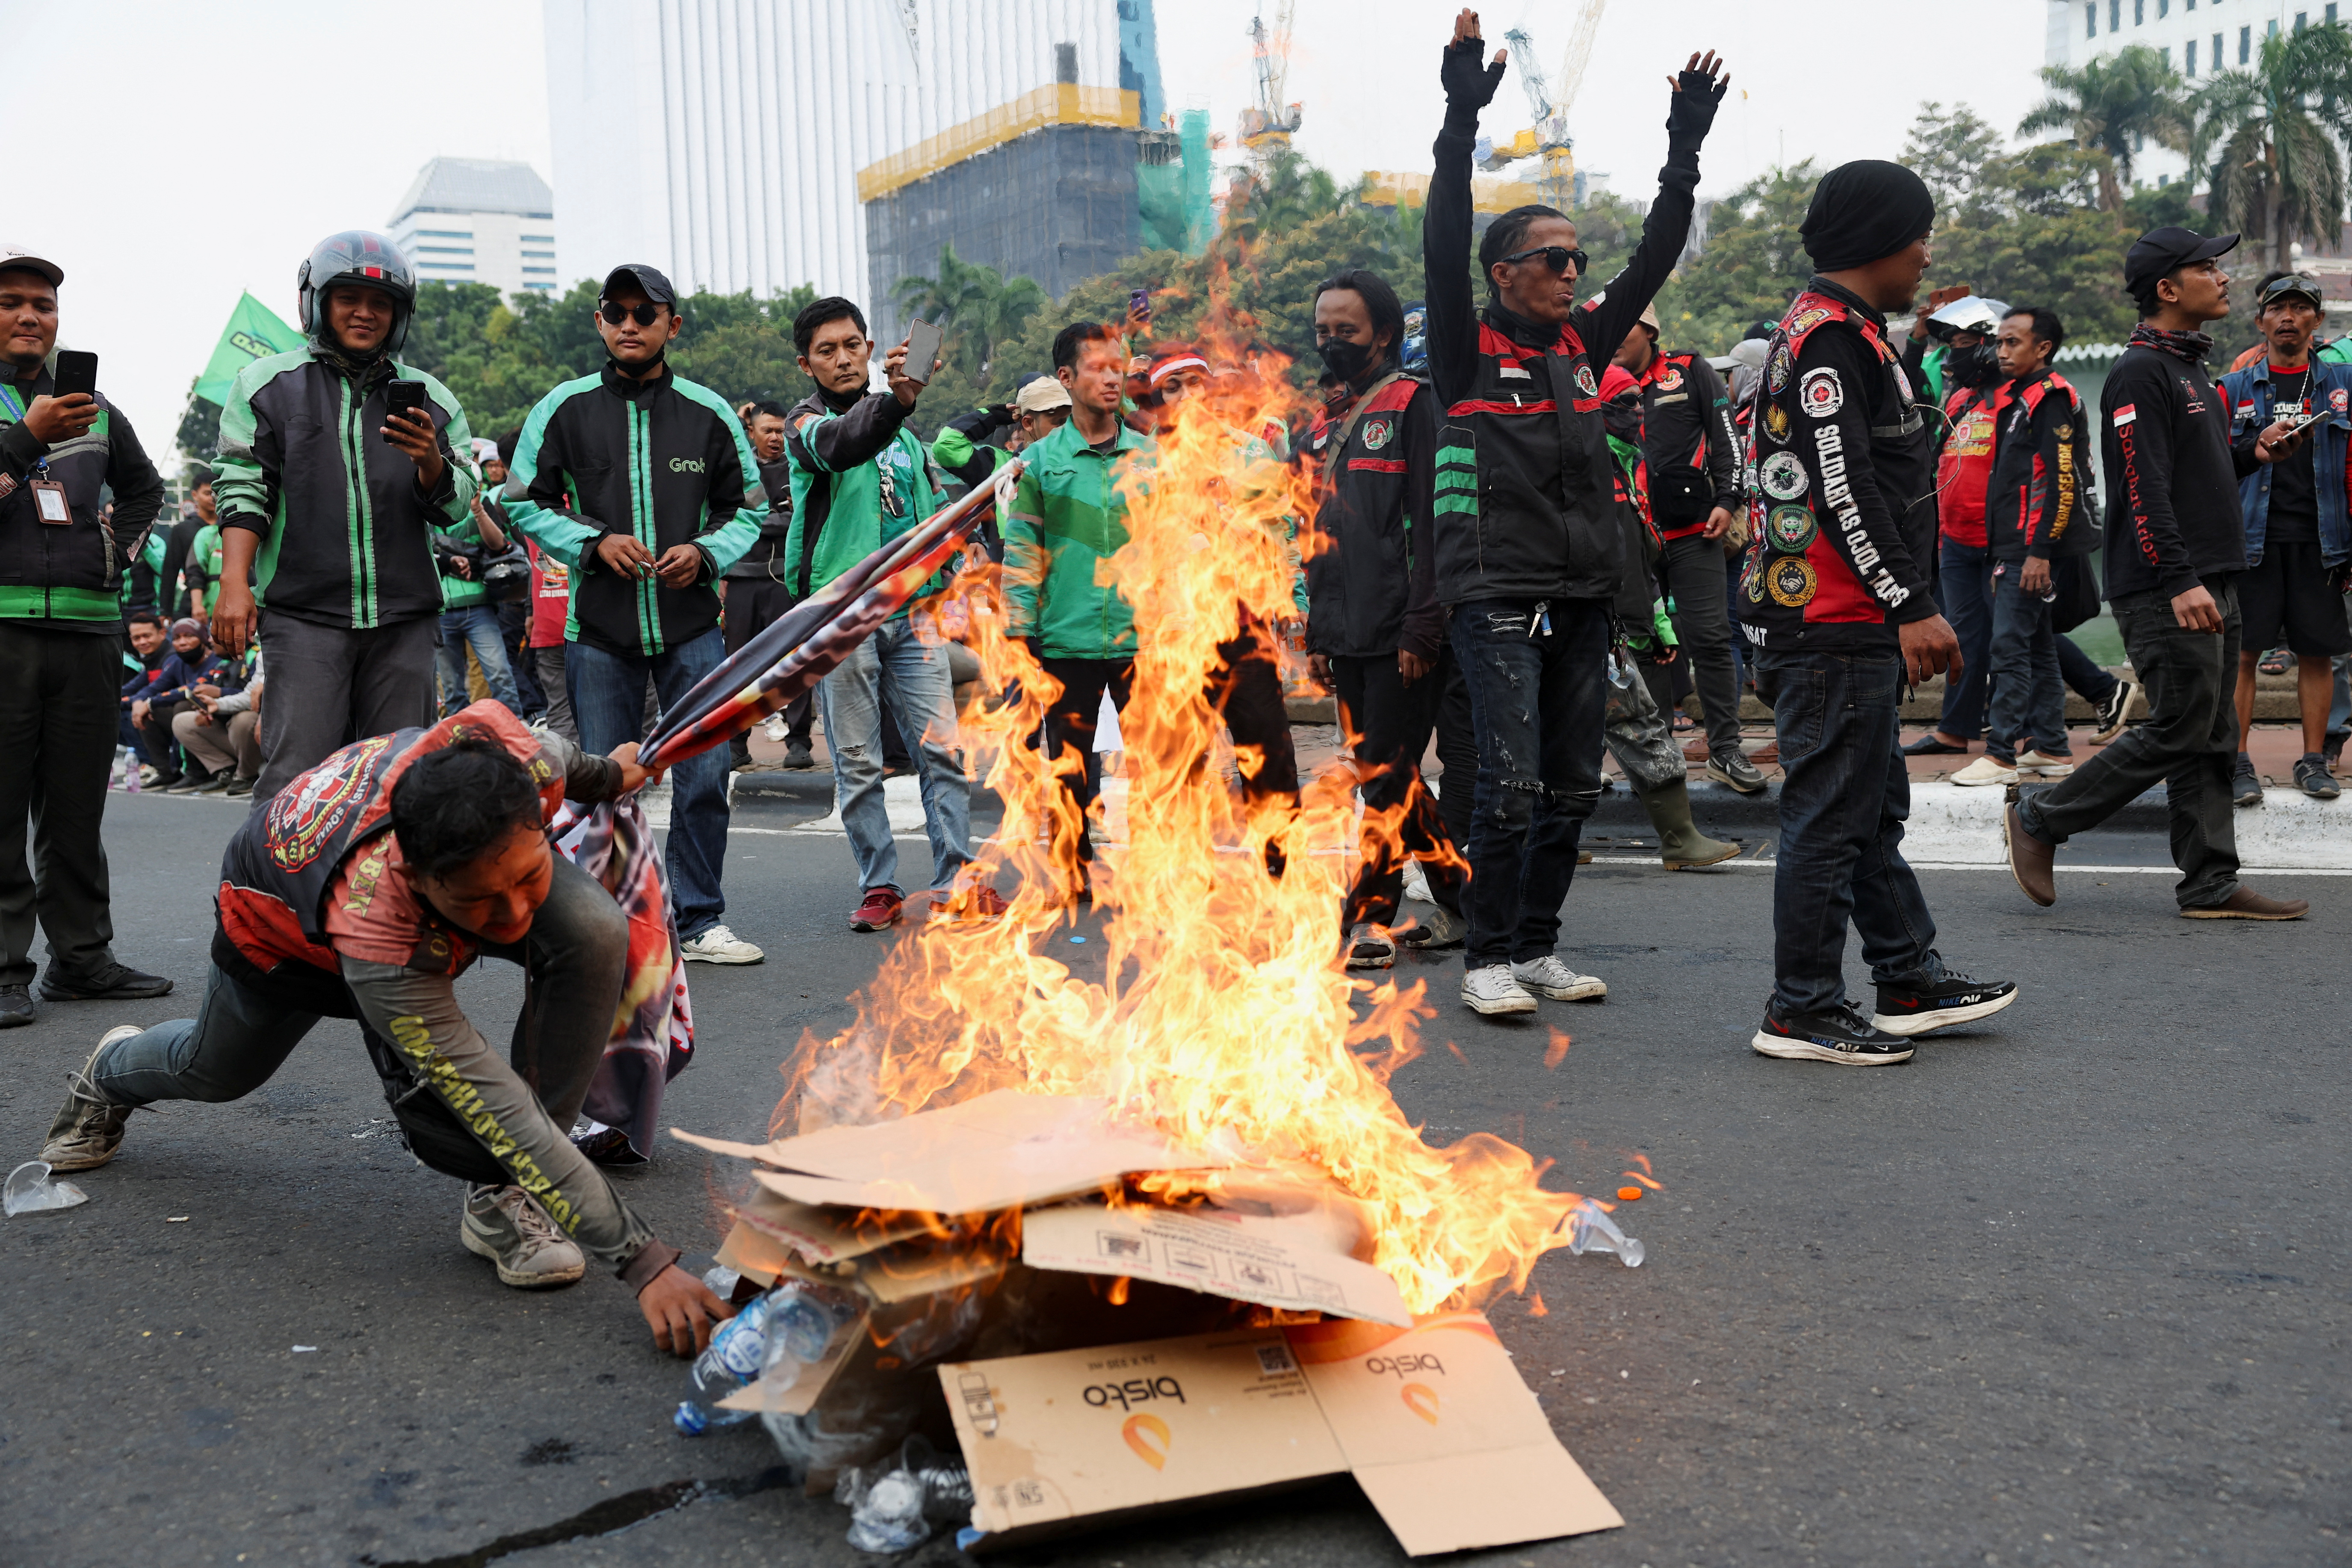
2301 288
2163 251
655 287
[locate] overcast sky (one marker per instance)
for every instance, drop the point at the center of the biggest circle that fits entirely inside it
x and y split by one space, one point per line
216 143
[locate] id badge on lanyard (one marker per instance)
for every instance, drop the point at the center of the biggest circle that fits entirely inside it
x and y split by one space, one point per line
50 499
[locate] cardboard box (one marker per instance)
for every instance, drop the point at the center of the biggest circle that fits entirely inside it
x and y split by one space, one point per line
1432 1421
1272 1262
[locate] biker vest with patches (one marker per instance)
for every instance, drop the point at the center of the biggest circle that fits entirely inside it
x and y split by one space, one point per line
1964 464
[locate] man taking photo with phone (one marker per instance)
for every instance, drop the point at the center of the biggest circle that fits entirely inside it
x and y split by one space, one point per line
61 574
337 464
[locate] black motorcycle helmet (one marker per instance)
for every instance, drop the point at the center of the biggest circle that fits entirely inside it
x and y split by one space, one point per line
368 259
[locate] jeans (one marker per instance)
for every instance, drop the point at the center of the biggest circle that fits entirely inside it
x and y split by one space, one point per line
2076 668
1070 722
329 686
1390 723
514 637
2029 701
2189 741
1537 703
474 626
608 703
893 663
547 663
1845 793
1703 627
1457 752
61 688
1964 588
2339 711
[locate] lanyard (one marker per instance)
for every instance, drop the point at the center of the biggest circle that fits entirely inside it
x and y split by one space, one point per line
11 403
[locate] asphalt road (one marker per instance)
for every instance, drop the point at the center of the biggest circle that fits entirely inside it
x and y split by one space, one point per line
2072 1288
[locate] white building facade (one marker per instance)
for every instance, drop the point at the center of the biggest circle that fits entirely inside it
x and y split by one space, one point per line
2199 38
480 220
721 139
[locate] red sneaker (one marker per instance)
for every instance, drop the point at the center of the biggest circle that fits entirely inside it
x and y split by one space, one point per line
879 911
983 903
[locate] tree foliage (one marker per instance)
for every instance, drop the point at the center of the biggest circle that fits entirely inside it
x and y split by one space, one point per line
2112 106
2278 175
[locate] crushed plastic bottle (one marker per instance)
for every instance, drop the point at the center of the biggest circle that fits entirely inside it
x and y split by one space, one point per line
734 1358
892 1508
1590 1229
30 1191
720 1281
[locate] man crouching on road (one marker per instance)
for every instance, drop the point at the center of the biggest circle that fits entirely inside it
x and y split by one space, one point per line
324 912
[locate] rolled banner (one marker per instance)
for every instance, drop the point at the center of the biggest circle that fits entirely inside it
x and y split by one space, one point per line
806 643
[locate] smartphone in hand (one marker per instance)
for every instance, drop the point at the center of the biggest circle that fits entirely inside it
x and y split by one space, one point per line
77 374
922 348
403 397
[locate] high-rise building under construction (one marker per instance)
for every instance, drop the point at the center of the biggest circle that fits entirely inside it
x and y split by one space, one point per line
756 145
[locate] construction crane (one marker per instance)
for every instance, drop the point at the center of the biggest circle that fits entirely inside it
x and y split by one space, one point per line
1266 124
1547 135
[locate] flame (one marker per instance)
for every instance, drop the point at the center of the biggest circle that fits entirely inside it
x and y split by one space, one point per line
1225 1014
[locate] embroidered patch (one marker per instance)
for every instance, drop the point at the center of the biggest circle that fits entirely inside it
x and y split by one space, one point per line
1584 382
1752 582
1804 321
1378 432
1821 394
2338 399
1791 528
1782 476
1669 378
1789 579
1778 370
305 814
1776 422
2126 415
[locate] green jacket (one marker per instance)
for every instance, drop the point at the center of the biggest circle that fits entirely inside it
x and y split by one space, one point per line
1067 519
860 478
70 573
346 539
205 561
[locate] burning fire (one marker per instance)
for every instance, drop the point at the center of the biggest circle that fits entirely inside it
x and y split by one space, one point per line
1226 1017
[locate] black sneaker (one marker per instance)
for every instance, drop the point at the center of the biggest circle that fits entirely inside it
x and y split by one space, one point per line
187 783
2312 777
2245 784
1838 1034
238 788
108 982
2116 712
1951 998
16 1006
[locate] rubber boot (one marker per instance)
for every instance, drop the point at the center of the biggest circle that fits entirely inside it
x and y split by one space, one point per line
1680 843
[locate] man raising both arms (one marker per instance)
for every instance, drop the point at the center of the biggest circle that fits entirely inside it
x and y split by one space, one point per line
1836 605
1528 546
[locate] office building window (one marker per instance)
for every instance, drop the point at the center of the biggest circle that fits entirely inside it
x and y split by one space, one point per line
444 234
542 288
2114 15
539 256
2091 19
445 266
2299 15
537 271
2164 54
537 238
2189 5
2331 13
2163 9
2271 30
2162 180
2189 57
2139 13
2216 55
2245 45
445 251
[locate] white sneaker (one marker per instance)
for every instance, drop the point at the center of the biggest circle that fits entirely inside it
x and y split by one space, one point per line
504 1225
773 727
1493 990
1547 976
1369 946
719 945
2031 761
1986 770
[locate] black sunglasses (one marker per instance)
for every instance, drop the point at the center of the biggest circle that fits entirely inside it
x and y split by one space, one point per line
1556 256
646 315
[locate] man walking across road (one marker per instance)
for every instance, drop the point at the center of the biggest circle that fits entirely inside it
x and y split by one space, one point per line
663 495
860 478
2298 536
1837 604
2173 560
61 571
337 497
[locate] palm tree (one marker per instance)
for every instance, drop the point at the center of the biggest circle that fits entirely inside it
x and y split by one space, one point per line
977 306
2112 106
2279 174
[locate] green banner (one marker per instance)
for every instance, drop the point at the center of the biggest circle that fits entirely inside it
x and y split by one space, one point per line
254 333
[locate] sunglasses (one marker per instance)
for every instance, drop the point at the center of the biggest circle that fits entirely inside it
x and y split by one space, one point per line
645 315
1559 258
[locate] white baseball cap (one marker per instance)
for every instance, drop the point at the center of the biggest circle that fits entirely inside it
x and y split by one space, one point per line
14 255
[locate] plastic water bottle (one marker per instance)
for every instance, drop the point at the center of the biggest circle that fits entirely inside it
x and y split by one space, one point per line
734 1360
1590 1229
892 1509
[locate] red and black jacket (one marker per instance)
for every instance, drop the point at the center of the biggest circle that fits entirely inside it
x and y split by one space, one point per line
1687 443
1964 462
1371 577
2037 501
1844 485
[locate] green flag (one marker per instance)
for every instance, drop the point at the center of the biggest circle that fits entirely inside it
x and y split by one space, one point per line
254 333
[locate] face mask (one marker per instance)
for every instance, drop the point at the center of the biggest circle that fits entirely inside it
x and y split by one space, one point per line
1343 359
1970 367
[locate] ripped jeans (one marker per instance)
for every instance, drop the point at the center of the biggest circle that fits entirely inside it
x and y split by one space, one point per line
1537 701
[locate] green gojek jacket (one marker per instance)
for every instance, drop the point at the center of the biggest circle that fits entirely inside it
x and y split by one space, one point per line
146 566
1067 518
663 462
346 535
70 573
860 478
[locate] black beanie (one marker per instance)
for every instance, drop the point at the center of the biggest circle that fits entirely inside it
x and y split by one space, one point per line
1864 210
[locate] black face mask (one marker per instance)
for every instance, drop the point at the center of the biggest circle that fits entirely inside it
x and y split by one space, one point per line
1344 359
1970 367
